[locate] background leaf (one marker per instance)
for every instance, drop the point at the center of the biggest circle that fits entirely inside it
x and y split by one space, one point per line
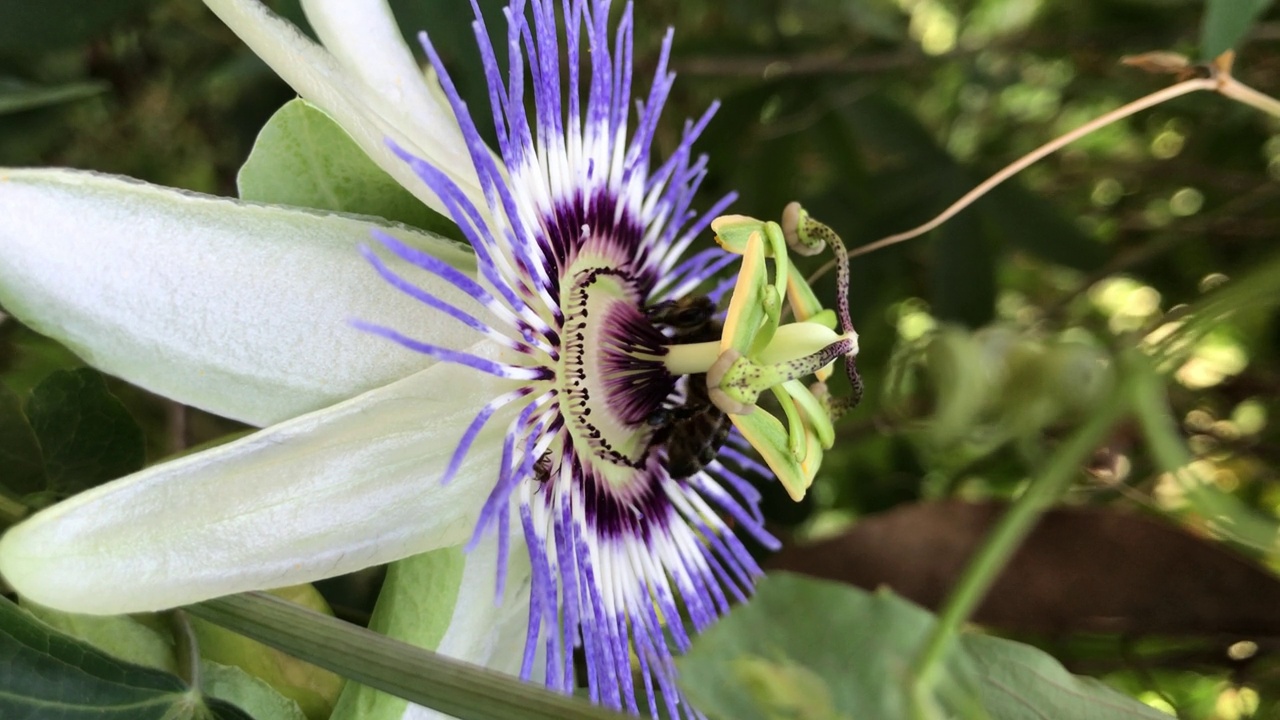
243 690
303 158
1225 24
19 449
1019 681
31 26
775 657
141 640
51 676
86 434
147 640
16 96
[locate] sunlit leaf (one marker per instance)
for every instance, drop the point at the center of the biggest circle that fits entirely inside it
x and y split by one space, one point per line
246 691
303 158
814 649
141 640
778 656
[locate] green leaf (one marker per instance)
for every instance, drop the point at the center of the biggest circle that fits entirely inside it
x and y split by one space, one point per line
16 96
1225 24
86 435
303 158
50 676
19 449
146 640
420 676
246 691
806 648
1019 681
126 637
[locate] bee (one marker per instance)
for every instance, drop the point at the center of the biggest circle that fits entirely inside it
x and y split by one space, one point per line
694 430
542 469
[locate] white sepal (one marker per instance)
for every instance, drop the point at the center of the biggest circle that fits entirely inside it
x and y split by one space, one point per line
240 309
333 83
327 493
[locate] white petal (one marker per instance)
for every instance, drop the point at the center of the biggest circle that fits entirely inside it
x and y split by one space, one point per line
243 310
370 113
364 38
327 493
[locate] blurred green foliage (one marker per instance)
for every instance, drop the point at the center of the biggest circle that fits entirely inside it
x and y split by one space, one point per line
876 114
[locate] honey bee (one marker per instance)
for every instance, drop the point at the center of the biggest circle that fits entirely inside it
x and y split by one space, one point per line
694 430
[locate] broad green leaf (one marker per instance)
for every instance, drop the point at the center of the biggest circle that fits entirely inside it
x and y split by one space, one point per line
146 640
805 648
1019 681
313 690
86 435
16 96
303 158
808 649
243 690
51 676
1225 24
141 640
19 450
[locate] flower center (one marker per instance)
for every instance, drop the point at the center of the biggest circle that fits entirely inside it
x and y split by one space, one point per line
611 375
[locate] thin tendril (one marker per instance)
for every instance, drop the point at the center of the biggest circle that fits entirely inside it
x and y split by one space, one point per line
1143 103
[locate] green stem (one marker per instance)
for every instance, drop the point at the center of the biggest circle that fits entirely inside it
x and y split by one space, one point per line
1013 527
188 648
453 687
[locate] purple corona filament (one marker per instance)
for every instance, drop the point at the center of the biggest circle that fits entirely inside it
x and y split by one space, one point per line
577 236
